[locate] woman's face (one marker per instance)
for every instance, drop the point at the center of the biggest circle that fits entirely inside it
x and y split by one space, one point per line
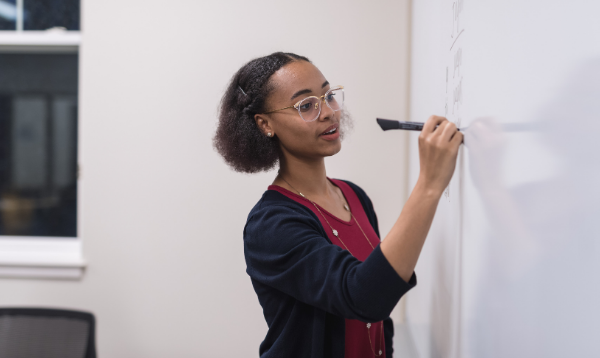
294 82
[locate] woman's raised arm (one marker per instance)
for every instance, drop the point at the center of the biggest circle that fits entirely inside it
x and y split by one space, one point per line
438 148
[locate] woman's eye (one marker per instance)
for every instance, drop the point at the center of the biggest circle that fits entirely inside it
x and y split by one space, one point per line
305 107
331 97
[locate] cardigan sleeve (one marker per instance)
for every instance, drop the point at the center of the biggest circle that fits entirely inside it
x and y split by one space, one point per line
285 248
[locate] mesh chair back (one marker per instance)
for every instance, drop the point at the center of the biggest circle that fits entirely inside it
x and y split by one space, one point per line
46 333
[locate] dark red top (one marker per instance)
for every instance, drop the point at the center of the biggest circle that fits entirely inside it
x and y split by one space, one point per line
357 335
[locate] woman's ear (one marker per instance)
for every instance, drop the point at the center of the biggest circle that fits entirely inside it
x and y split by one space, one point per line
262 121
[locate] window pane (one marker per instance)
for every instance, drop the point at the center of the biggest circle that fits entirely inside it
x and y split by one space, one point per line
45 14
38 144
8 15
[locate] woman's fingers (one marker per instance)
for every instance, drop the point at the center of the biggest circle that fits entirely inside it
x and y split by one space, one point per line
457 139
449 131
431 124
438 127
438 147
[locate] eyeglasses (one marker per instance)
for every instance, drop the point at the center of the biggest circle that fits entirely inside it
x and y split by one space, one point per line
310 108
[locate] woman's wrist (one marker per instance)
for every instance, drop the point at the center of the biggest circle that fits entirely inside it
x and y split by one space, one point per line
427 190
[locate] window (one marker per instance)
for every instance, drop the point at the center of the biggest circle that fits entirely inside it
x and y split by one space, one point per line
38 145
39 14
39 45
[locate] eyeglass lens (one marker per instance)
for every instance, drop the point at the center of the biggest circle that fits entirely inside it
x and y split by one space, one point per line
310 110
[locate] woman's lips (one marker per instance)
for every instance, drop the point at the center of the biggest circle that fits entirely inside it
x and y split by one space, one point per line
335 126
333 136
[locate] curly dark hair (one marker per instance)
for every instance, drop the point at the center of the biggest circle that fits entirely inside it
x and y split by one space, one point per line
238 139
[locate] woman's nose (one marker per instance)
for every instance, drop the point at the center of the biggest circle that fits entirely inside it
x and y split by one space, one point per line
326 111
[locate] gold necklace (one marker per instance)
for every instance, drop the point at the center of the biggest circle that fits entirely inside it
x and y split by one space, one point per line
336 234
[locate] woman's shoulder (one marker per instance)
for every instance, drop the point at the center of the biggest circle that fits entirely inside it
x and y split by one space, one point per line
274 208
276 215
273 203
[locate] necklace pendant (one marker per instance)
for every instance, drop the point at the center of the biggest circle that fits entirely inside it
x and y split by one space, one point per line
380 352
335 233
346 207
368 325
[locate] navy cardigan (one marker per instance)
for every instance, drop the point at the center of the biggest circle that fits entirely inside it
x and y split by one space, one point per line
308 286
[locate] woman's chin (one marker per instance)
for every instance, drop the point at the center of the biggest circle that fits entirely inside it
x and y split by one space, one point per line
333 150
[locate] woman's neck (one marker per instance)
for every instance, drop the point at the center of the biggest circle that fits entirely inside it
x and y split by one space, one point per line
308 177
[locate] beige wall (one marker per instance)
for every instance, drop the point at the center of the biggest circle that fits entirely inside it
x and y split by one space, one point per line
161 214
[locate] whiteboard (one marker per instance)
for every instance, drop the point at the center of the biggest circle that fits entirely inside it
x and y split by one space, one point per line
510 267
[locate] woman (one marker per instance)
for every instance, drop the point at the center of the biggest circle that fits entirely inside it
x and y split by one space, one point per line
326 284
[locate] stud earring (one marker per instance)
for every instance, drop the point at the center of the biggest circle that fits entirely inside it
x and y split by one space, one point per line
269 134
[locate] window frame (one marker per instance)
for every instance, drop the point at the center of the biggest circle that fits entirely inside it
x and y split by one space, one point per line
35 256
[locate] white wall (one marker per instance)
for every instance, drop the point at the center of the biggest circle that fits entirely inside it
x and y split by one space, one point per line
161 215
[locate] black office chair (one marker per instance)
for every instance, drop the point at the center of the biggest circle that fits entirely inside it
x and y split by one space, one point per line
46 333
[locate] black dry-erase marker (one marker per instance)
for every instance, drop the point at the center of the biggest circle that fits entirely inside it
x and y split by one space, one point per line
387 124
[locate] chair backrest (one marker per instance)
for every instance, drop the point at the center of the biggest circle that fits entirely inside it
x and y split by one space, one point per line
47 333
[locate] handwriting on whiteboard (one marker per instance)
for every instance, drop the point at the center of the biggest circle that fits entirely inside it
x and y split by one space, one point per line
457 8
454 65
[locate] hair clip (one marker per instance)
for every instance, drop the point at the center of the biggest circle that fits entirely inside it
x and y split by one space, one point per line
242 91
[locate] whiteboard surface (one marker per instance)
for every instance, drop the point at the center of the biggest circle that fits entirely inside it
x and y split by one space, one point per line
510 267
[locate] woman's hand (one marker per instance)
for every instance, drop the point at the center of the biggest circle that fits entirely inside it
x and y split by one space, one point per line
438 149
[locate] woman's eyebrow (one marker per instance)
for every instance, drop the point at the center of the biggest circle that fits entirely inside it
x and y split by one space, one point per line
307 90
301 92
